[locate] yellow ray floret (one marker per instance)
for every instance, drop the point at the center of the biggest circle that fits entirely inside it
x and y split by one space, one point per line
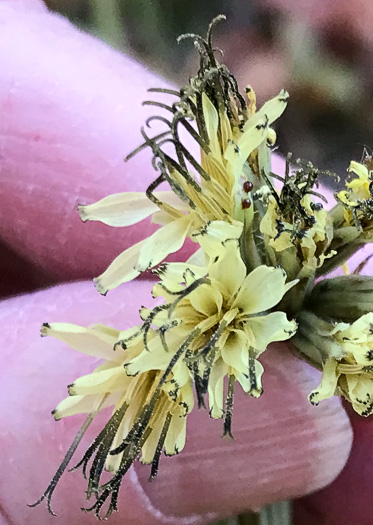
350 375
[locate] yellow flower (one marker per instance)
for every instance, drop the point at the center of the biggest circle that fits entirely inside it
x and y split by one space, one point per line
350 373
358 191
234 142
230 313
149 409
215 322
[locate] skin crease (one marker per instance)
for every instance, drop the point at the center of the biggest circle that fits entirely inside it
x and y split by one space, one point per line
66 123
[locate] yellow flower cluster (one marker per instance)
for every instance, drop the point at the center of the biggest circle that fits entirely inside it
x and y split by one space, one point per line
214 322
250 282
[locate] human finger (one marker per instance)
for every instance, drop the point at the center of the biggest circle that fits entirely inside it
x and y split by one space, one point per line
71 110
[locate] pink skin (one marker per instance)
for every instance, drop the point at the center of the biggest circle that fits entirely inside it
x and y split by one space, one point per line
70 110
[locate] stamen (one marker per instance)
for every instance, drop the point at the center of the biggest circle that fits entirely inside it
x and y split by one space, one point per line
113 485
210 358
212 342
109 429
61 469
254 390
144 145
159 448
162 333
160 118
149 320
158 105
229 407
143 420
198 383
189 289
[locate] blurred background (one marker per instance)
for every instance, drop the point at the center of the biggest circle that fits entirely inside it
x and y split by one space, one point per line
321 51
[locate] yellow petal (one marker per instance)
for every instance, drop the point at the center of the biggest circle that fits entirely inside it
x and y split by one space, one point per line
157 358
215 233
262 289
166 240
246 384
273 109
234 351
93 341
211 118
186 399
121 270
120 209
328 383
216 388
181 374
101 381
360 387
178 272
269 328
229 270
130 337
237 152
112 463
176 436
206 299
149 447
359 169
72 405
244 381
256 389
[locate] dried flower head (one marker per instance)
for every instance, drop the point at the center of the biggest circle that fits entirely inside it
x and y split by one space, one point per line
297 229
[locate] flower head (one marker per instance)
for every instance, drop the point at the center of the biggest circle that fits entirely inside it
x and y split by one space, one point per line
234 142
231 314
215 321
350 374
